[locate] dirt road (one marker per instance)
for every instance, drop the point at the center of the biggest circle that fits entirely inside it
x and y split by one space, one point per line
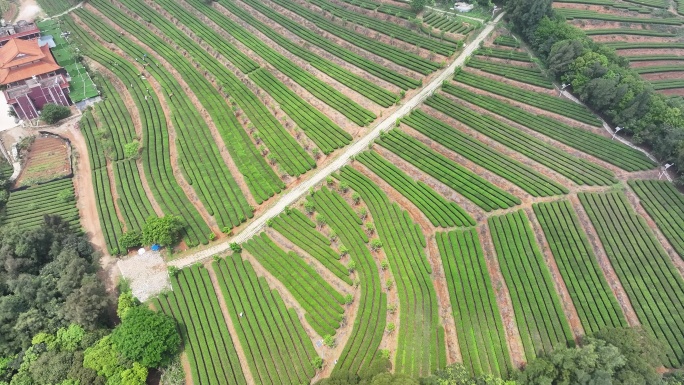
360 145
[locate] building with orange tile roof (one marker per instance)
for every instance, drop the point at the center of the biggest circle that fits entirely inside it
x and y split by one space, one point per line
31 77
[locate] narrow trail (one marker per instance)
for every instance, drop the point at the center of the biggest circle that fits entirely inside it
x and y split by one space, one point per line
75 7
358 146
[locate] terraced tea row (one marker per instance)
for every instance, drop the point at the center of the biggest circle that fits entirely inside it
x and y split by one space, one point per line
654 286
207 342
420 347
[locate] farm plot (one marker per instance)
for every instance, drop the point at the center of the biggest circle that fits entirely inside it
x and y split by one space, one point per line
654 286
6 168
613 152
481 334
595 303
288 153
576 169
278 349
116 132
667 84
206 340
665 204
300 230
106 210
46 158
507 41
318 88
404 13
502 53
420 349
364 87
199 156
659 68
527 75
393 77
388 28
538 313
446 23
625 31
391 53
439 210
155 155
517 173
27 207
322 303
369 326
52 7
465 182
549 103
593 15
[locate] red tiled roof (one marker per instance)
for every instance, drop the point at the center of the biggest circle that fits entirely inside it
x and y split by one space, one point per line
21 59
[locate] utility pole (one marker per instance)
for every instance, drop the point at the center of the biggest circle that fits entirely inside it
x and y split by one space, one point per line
667 165
617 129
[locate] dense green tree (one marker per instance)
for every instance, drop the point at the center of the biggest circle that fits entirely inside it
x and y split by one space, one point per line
457 374
147 337
164 231
52 113
526 14
418 5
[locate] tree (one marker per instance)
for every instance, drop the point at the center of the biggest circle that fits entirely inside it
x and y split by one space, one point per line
457 374
130 239
52 113
526 14
418 5
164 231
146 337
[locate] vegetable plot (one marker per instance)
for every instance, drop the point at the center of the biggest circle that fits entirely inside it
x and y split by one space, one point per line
481 334
538 312
206 341
527 75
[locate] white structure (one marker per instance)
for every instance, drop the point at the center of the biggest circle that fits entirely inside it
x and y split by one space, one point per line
463 7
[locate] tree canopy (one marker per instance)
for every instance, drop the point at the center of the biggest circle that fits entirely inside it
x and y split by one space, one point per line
164 231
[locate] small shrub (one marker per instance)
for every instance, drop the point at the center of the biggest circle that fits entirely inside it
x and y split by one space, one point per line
321 220
392 308
317 363
370 228
329 181
375 244
385 353
356 197
384 265
351 266
130 239
388 284
173 271
343 251
344 186
362 213
235 247
333 236
348 299
309 207
329 341
132 149
391 327
65 196
227 230
212 236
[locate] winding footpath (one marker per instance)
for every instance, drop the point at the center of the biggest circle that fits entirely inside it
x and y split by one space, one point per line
360 145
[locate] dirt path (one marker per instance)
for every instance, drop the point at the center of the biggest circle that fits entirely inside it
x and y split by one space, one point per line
231 328
359 145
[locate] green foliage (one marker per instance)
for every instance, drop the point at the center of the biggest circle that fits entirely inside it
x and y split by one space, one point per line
173 373
317 363
348 299
49 281
526 14
126 302
235 247
130 239
351 266
52 113
622 356
65 196
329 341
418 5
132 149
164 231
375 244
457 374
146 337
